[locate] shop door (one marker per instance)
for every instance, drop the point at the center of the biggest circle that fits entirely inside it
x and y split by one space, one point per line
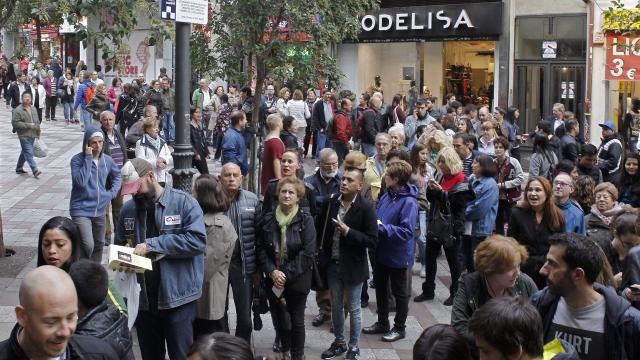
539 86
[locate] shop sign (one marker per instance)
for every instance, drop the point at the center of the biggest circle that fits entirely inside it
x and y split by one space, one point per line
433 22
549 49
623 57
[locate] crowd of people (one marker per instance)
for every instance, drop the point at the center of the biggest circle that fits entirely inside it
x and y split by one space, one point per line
545 262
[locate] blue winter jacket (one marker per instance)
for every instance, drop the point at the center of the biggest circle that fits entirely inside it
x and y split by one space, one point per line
90 191
182 239
398 214
574 218
483 209
81 99
234 150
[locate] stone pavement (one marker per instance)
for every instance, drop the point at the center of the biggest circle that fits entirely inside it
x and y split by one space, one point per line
26 203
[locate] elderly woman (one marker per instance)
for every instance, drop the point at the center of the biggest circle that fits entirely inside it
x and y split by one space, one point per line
448 195
395 251
154 149
396 132
533 221
286 248
221 240
602 213
497 262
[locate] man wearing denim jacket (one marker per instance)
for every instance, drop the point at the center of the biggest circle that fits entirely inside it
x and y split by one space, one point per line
168 224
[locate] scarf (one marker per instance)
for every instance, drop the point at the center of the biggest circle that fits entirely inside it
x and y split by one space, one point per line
283 222
608 215
449 181
154 142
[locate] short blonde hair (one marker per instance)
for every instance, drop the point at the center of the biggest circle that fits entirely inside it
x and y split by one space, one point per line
273 120
608 187
148 123
451 159
498 254
283 91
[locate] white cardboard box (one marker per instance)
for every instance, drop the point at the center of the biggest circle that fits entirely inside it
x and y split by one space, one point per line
122 255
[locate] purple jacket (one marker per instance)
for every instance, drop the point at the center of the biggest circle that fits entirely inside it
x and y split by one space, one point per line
398 213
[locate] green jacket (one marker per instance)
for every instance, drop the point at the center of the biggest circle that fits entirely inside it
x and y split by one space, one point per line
198 97
23 123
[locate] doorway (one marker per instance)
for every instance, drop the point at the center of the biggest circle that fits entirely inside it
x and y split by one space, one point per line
540 85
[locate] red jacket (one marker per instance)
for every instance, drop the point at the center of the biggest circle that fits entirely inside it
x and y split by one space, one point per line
342 127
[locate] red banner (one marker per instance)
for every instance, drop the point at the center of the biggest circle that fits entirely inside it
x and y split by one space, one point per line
623 57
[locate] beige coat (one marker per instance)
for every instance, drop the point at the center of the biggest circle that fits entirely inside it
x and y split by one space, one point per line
221 240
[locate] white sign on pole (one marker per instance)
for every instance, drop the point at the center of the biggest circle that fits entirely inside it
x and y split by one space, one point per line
192 11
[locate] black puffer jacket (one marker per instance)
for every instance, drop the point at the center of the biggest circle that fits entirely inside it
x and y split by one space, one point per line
107 323
243 213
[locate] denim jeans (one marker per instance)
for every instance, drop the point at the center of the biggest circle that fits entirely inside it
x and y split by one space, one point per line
169 126
68 111
92 231
633 144
323 142
26 154
86 117
369 149
344 294
422 236
171 325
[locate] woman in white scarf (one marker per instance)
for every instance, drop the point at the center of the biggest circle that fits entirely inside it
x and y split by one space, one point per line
154 149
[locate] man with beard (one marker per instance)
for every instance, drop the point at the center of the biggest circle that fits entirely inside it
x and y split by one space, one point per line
325 182
593 318
168 224
420 117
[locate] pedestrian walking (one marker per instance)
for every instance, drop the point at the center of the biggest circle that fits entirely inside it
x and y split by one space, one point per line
26 124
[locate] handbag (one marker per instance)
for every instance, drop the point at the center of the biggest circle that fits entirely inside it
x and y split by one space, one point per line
319 270
39 148
440 228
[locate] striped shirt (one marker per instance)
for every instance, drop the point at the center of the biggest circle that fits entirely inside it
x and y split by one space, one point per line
116 150
54 87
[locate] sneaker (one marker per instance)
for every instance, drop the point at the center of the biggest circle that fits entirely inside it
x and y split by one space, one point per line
423 272
336 349
353 353
37 174
21 172
423 297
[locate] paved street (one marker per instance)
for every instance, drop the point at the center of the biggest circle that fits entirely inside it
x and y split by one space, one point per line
26 203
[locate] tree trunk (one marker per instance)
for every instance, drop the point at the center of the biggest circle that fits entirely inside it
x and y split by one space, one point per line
2 249
39 39
255 124
9 8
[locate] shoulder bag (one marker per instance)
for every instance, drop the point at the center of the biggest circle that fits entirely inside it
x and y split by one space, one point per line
440 227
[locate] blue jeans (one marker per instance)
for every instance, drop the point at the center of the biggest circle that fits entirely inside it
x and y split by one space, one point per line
26 154
86 117
172 326
422 236
369 150
169 126
633 144
342 294
323 142
68 111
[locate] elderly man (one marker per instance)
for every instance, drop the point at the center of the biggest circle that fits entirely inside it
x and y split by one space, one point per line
115 147
563 188
47 317
26 124
242 213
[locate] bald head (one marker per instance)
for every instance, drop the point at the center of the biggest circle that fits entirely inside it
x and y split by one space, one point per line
231 178
229 167
45 281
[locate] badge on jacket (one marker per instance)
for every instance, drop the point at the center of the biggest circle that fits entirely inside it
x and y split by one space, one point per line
172 220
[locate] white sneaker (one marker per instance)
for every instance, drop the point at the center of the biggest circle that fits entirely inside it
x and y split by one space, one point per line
423 272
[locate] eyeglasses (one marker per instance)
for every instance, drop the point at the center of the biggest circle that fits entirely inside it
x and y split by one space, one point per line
561 184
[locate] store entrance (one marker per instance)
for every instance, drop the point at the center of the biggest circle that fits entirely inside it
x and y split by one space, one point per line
538 86
469 70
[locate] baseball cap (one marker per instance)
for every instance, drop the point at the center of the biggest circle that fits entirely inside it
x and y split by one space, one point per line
608 124
132 173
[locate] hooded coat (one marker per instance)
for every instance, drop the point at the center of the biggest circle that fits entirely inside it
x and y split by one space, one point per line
398 215
94 184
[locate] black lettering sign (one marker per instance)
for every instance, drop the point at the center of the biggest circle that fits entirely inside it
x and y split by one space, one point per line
434 22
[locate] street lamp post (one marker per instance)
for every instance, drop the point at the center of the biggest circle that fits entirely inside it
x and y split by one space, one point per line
182 155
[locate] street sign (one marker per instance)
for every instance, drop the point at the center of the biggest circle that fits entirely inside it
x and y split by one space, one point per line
188 11
623 57
549 49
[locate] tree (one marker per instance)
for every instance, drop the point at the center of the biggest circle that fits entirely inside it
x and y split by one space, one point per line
6 12
278 37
